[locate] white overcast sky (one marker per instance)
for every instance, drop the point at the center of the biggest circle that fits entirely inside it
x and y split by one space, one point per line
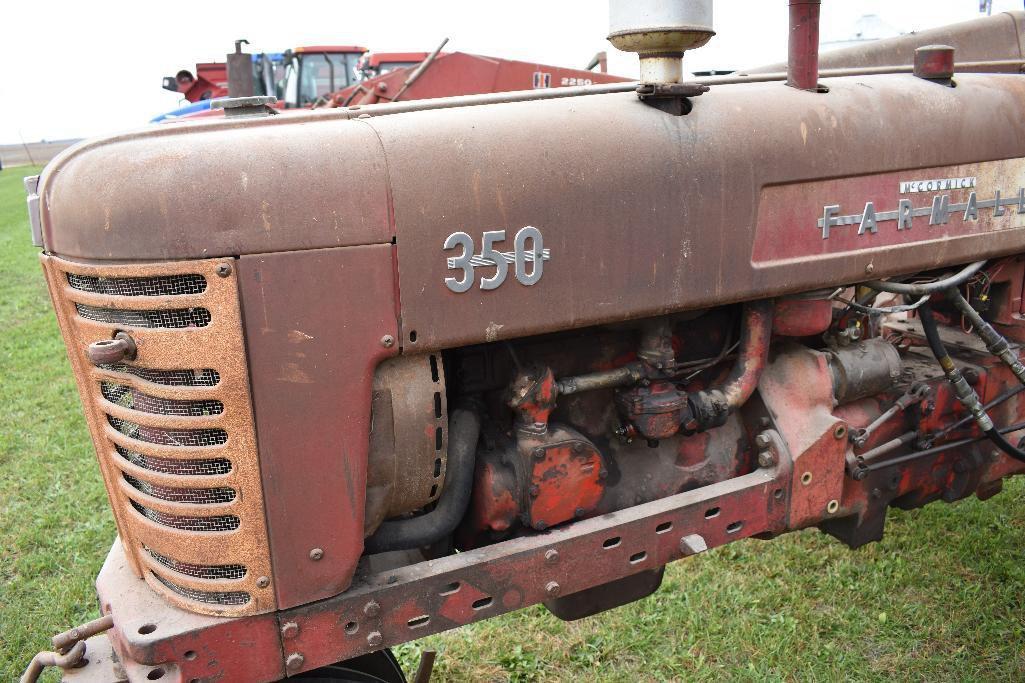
76 68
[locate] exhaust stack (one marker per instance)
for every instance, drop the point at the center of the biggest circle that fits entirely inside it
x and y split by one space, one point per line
803 45
660 31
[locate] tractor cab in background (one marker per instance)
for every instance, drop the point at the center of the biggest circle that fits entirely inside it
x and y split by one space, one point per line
311 73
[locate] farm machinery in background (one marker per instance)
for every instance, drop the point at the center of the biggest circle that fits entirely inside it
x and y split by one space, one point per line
361 375
331 76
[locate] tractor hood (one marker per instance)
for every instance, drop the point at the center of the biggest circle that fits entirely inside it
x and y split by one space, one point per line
760 190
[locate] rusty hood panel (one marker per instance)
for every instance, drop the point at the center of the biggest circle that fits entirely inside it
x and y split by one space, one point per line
642 212
218 188
646 213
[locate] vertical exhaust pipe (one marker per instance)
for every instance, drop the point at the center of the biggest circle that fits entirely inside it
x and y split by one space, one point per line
803 45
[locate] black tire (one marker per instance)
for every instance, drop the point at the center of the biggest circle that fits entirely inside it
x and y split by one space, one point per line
376 667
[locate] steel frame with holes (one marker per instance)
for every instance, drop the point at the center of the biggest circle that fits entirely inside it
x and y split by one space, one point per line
396 606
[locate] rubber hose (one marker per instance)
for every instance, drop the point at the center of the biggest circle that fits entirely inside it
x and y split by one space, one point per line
932 335
955 280
416 532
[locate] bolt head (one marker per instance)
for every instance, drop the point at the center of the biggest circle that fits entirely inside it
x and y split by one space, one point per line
552 588
289 629
223 270
551 556
766 459
294 661
262 582
763 440
372 608
539 454
374 639
316 554
387 341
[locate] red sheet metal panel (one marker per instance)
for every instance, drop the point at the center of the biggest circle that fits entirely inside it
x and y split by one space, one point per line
315 322
218 188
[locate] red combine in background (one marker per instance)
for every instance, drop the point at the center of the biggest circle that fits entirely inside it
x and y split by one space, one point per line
441 74
340 75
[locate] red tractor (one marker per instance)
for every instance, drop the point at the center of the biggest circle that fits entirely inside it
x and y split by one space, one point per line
358 376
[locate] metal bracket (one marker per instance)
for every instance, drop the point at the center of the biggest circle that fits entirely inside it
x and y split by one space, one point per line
32 192
672 98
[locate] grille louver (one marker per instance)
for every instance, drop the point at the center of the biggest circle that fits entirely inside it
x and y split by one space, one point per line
173 427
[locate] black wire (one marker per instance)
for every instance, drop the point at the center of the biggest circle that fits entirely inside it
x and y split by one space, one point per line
932 335
883 464
1010 393
928 287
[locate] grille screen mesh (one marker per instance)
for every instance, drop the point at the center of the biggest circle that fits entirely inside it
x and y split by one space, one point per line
172 318
204 467
189 523
160 285
212 496
200 571
136 400
209 597
189 438
171 378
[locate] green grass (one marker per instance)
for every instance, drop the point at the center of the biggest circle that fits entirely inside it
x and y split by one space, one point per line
939 599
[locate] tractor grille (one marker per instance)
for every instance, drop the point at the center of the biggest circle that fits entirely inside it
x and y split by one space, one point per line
161 285
173 318
186 438
187 523
195 496
136 400
199 571
173 427
171 378
185 468
209 597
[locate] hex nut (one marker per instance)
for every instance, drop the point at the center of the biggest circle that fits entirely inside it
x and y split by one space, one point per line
762 440
294 661
552 588
289 629
766 459
372 608
374 639
316 554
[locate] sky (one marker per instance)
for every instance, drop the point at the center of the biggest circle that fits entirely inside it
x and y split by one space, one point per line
75 68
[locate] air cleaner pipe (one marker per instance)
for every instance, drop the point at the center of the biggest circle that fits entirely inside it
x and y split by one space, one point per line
711 407
464 430
803 45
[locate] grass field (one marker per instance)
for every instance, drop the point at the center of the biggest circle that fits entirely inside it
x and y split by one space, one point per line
940 599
